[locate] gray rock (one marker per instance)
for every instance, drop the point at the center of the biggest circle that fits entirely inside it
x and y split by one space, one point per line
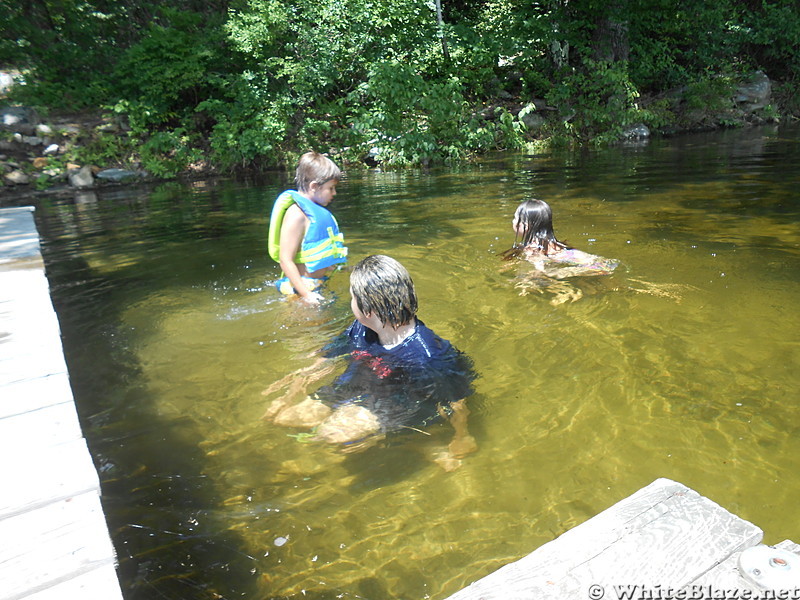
12 117
755 93
51 149
639 131
533 121
6 81
117 174
17 178
81 177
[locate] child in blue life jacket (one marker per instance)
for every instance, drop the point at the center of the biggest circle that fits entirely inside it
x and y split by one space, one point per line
399 375
304 237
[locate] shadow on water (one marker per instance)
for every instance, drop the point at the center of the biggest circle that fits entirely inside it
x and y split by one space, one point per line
159 503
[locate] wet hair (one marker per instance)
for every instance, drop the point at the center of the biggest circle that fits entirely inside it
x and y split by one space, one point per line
313 167
382 287
536 219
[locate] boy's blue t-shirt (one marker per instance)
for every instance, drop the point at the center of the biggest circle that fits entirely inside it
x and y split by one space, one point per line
403 385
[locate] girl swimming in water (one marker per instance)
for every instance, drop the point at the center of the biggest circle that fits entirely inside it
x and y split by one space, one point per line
552 259
533 223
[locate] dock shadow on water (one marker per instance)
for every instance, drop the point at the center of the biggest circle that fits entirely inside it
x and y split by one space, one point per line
678 365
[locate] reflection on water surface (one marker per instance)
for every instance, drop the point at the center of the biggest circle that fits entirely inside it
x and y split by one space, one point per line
682 364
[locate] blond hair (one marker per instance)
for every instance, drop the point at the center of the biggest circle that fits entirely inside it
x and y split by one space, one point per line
314 167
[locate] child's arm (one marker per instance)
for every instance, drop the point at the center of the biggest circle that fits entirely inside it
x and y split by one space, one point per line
296 384
293 231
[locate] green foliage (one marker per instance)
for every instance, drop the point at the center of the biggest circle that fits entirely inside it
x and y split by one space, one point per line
259 81
167 153
787 95
596 103
247 132
165 75
104 149
709 94
674 45
413 121
65 47
772 33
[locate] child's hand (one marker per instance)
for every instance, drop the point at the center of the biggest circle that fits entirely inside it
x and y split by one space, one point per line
313 298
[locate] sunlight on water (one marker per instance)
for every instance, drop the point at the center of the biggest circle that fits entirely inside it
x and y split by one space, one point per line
682 364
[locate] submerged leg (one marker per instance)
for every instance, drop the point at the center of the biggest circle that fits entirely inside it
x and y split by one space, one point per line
463 443
308 413
347 424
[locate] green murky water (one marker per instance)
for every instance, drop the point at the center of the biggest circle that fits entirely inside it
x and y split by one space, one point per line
683 364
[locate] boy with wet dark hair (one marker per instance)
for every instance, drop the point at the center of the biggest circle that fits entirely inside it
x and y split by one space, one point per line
400 375
304 236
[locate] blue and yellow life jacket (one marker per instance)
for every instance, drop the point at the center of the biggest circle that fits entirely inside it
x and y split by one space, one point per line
323 245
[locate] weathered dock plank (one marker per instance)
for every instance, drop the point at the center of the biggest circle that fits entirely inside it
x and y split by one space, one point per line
18 236
40 428
27 395
31 342
44 476
664 535
99 584
54 541
53 544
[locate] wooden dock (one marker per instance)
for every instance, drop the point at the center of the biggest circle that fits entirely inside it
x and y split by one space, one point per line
664 541
54 541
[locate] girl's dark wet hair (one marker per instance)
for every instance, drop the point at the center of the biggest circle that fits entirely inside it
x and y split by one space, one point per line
382 287
536 218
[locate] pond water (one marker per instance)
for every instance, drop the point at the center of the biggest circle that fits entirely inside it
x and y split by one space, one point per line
682 364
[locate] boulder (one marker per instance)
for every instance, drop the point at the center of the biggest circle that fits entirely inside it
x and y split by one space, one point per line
6 81
31 140
533 121
81 178
19 118
16 178
640 131
755 93
116 175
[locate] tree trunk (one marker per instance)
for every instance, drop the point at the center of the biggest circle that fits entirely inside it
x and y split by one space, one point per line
610 38
440 22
